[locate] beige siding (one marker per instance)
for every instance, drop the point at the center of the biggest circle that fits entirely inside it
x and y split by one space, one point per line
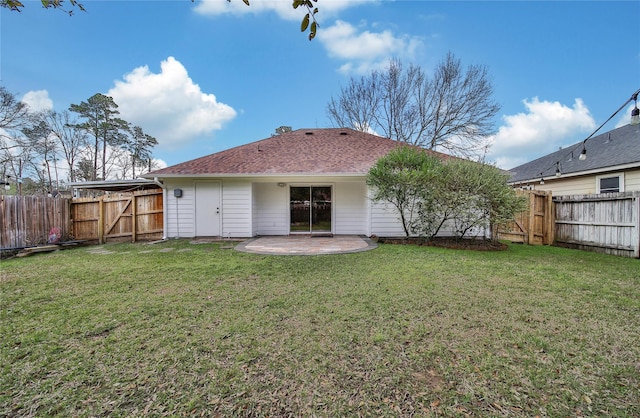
583 185
576 185
632 181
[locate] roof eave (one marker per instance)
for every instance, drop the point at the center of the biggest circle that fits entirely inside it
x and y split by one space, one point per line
252 175
580 173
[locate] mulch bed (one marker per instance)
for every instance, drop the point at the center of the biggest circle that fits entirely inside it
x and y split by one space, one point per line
448 242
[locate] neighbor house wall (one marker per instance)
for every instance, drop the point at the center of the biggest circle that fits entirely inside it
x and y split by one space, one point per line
582 185
575 185
632 181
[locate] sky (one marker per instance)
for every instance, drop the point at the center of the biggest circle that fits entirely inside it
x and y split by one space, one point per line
205 76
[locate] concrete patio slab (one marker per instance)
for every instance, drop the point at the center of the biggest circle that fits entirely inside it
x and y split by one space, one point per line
306 245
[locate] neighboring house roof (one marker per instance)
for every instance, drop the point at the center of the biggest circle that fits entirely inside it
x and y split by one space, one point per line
116 185
339 151
616 149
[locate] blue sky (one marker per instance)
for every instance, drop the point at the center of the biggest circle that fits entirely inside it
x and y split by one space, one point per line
205 76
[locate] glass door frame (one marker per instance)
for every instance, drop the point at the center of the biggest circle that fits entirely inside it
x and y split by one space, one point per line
310 230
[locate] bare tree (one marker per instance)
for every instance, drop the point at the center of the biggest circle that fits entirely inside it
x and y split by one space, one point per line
452 111
71 140
357 103
38 138
15 153
17 159
13 113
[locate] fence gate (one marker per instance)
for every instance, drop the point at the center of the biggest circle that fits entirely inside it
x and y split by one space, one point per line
126 216
534 226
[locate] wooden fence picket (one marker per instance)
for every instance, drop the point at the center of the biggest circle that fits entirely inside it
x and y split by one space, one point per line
26 221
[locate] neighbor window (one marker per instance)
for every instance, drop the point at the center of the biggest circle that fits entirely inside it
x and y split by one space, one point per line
610 184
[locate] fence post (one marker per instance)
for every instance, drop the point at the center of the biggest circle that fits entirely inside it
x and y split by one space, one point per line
101 220
637 252
550 219
68 227
133 217
531 222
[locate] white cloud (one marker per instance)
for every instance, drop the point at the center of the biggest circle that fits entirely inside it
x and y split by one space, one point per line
38 100
159 163
544 128
365 50
282 8
360 50
169 105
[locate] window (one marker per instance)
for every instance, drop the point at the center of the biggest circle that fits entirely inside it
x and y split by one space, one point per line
610 183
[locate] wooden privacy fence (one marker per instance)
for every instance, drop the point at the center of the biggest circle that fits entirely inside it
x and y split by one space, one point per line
26 221
126 216
608 223
535 225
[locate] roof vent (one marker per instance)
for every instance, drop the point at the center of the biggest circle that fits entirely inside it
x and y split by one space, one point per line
308 133
344 133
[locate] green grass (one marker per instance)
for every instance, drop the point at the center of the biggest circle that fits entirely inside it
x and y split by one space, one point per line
176 329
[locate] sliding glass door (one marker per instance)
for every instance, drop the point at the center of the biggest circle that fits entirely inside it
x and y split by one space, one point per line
310 208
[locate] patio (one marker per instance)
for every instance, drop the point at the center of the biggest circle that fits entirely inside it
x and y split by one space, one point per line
306 245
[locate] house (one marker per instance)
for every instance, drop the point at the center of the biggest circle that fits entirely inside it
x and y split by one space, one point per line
307 181
609 162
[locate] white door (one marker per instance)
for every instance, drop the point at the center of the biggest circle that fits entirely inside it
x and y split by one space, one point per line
208 209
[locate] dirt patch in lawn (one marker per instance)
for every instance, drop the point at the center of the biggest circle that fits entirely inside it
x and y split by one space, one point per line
448 242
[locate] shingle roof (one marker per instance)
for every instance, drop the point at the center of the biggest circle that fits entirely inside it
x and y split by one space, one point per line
339 151
617 147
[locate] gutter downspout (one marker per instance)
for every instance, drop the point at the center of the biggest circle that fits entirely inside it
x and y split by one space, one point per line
165 221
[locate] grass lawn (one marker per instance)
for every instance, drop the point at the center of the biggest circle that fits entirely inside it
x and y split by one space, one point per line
176 329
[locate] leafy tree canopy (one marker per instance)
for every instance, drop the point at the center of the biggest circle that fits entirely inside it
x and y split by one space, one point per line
399 178
17 5
428 193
